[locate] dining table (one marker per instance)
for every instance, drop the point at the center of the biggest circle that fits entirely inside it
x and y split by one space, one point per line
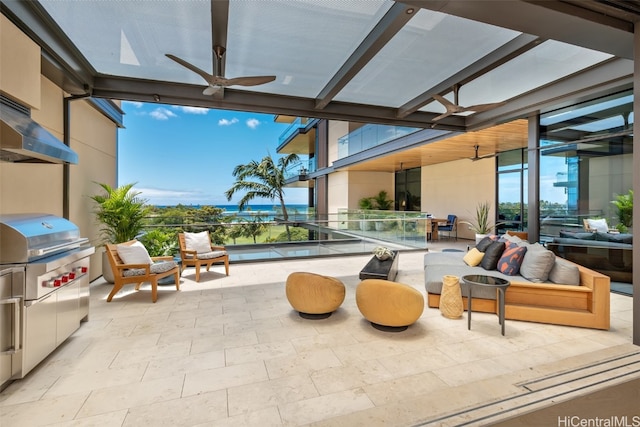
431 227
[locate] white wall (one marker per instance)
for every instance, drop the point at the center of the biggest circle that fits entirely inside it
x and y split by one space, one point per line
38 187
456 188
336 130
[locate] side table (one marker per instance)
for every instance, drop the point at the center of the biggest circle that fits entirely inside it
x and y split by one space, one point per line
490 281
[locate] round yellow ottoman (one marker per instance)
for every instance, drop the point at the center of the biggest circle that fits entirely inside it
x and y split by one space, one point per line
389 306
314 296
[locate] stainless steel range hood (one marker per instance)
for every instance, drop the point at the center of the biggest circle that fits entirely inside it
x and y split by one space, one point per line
24 140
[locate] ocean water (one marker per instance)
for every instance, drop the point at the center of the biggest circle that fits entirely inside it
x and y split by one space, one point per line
266 211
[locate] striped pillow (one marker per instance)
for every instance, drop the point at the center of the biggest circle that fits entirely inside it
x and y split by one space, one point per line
511 259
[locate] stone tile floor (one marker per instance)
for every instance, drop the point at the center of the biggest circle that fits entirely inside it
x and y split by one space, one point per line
230 351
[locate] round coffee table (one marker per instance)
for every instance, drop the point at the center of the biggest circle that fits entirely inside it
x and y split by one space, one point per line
488 281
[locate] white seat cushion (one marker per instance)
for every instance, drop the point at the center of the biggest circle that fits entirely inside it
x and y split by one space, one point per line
212 254
156 268
198 242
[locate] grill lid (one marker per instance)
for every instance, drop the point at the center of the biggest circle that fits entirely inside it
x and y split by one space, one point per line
27 237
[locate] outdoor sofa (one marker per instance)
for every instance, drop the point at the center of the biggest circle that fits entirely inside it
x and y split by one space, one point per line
584 303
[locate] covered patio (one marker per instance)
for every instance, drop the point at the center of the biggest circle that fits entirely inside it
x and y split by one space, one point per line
231 351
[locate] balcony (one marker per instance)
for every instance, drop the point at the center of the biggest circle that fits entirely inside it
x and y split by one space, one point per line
230 350
369 136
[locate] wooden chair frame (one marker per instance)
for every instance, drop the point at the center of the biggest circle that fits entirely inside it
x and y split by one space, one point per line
190 258
118 267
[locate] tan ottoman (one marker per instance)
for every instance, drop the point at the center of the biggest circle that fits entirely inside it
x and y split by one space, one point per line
314 296
389 306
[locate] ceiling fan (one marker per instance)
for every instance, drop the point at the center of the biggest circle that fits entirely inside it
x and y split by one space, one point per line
476 157
217 81
456 108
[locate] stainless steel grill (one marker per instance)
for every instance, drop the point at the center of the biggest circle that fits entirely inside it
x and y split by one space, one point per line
44 288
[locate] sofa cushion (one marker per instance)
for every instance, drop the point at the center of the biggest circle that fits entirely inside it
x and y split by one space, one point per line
577 235
613 237
537 263
511 259
155 268
491 255
473 257
564 273
484 243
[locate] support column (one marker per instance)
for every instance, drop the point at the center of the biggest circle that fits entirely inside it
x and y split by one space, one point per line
636 188
533 178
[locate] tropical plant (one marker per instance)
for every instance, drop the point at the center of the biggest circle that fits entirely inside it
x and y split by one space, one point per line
365 203
482 224
381 201
121 212
624 205
263 179
160 242
254 228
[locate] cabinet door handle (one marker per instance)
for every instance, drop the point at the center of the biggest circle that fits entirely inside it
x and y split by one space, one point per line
16 343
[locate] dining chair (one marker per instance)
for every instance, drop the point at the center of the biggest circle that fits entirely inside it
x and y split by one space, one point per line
450 227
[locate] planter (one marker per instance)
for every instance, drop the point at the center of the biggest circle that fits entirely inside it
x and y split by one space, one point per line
480 237
107 274
366 225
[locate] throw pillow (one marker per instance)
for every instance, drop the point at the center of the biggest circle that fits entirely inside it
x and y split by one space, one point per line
484 243
537 263
598 224
134 254
492 255
564 273
198 242
473 257
511 259
512 239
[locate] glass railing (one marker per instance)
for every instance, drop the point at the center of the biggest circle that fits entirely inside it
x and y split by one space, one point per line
369 136
298 123
303 167
347 232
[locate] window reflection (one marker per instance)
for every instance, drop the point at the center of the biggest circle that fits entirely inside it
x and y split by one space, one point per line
585 161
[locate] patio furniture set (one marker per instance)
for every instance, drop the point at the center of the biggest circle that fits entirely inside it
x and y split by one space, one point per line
505 275
131 263
541 288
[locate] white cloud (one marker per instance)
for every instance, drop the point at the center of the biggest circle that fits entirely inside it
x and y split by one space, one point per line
253 123
162 113
134 103
194 110
227 122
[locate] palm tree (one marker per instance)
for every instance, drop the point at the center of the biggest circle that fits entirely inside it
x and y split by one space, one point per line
263 179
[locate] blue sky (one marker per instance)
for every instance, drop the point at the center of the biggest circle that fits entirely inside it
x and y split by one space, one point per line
187 155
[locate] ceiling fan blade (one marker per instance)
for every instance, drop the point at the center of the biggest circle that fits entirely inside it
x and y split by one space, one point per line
211 90
450 106
208 77
442 116
249 81
484 107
